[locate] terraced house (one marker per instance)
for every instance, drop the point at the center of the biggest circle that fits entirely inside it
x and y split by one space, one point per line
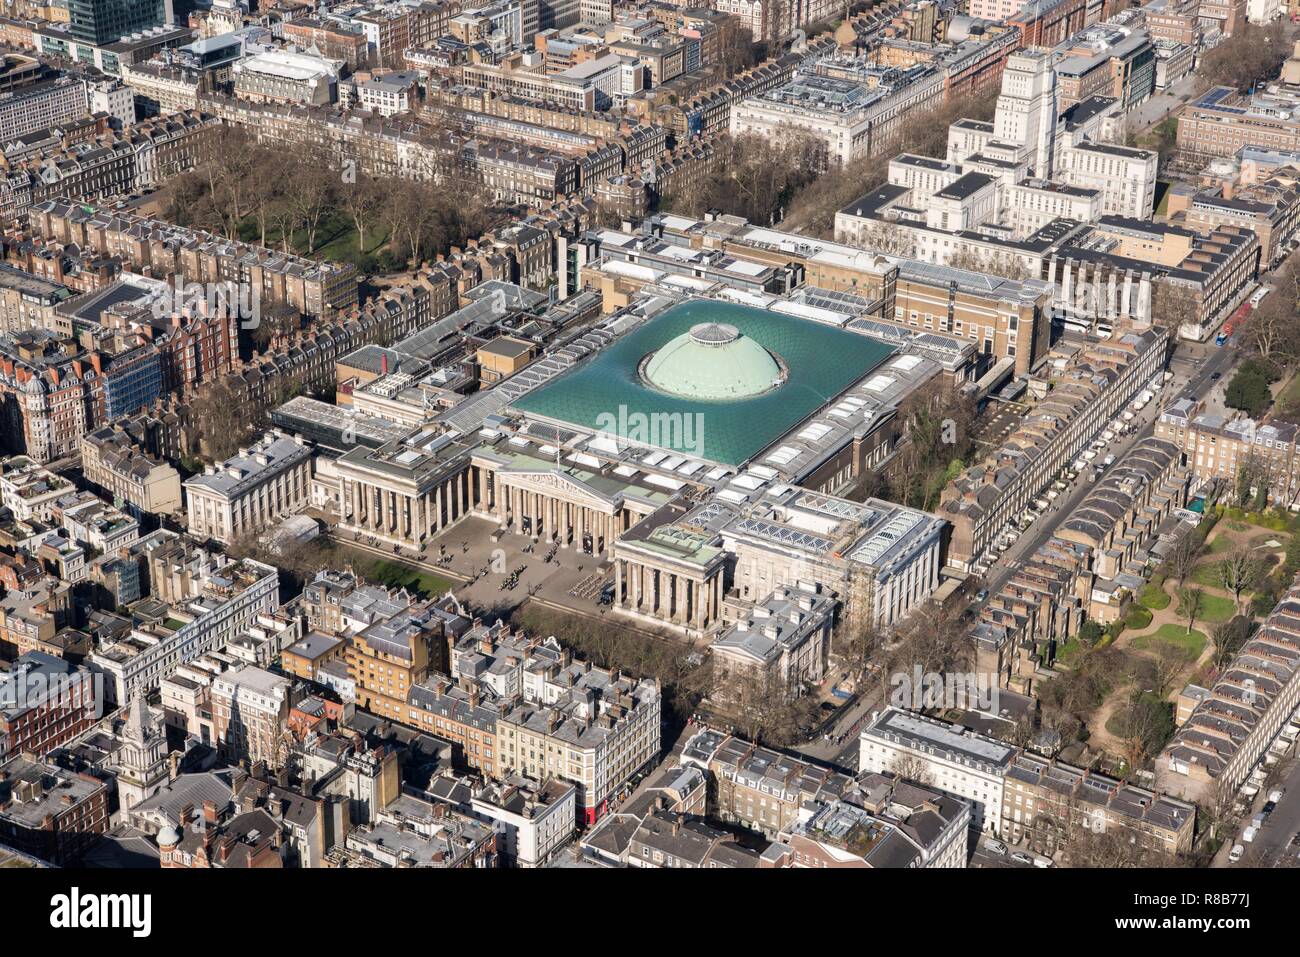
1232 728
1101 380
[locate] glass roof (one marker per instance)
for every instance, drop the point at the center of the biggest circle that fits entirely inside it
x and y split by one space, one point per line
608 392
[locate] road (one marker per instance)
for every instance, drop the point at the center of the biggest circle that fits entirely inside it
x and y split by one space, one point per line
1193 366
1271 847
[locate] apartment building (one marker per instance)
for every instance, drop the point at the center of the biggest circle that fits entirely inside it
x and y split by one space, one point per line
1232 728
92 522
111 459
1123 514
250 491
390 657
464 716
956 760
757 787
30 491
41 105
582 724
881 821
45 702
27 301
534 820
166 251
110 165
1039 607
218 602
250 712
1271 210
1044 800
52 814
1230 450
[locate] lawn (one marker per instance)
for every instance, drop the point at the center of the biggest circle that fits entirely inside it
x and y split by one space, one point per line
1290 395
1207 574
335 239
1154 596
1174 635
397 574
1224 543
1215 609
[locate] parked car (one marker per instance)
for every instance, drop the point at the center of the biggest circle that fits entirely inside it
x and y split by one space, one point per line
1249 833
1275 795
1042 862
1022 858
995 847
980 596
1269 807
1236 853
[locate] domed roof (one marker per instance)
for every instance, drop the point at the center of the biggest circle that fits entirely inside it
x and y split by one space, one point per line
713 361
168 836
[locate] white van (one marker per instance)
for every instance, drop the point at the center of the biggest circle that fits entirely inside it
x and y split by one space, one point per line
1236 853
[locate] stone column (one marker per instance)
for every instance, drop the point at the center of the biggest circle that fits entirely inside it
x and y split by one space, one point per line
618 583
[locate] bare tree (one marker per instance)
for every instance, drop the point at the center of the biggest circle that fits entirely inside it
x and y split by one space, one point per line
1169 662
1113 846
1270 329
1189 605
1228 639
310 193
363 201
889 238
1174 304
911 767
1239 571
1183 557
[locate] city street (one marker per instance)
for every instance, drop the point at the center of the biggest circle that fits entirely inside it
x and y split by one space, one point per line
1193 366
1274 845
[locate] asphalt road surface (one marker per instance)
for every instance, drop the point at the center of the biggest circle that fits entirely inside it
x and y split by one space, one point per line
1272 845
